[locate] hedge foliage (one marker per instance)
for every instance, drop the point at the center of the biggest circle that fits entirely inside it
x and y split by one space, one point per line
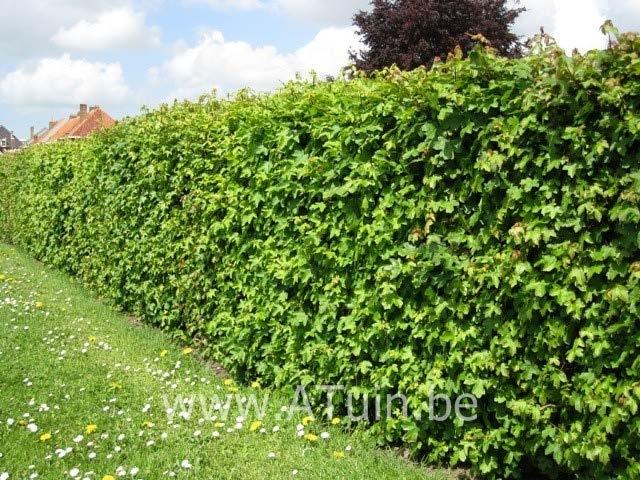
473 228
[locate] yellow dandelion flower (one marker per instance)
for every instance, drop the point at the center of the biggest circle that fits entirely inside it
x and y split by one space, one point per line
45 436
163 353
256 385
335 421
39 305
255 425
108 477
338 455
228 382
307 420
310 437
91 428
187 351
22 423
93 339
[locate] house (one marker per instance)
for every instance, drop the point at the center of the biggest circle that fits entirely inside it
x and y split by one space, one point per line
82 124
8 141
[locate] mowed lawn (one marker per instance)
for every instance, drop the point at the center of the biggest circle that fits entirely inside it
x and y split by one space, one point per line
87 394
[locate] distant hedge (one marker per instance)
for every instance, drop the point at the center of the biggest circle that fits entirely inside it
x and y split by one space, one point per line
473 228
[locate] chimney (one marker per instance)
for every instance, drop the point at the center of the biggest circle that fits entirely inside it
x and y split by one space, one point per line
83 109
52 124
32 133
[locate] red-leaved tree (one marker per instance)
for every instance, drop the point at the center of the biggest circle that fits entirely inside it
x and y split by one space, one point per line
410 33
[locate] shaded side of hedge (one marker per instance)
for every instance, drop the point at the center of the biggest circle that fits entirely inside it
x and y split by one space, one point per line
472 229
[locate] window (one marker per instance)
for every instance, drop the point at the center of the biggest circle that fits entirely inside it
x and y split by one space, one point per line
3 142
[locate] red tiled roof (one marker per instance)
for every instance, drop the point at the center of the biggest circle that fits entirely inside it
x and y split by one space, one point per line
77 126
65 129
45 136
97 119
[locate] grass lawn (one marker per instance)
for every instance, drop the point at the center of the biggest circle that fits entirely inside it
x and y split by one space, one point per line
85 392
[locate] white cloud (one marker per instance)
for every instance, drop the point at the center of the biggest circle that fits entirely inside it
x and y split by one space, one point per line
540 13
625 13
119 28
327 12
62 81
228 65
214 62
28 25
576 23
318 12
328 52
226 4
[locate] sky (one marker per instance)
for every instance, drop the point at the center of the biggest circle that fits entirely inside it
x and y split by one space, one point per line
126 54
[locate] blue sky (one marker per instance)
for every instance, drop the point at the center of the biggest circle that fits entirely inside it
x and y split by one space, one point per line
123 54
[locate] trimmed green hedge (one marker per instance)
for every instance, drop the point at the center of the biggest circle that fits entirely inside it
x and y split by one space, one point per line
474 229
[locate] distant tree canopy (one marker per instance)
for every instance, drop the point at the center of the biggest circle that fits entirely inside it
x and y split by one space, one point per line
411 33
